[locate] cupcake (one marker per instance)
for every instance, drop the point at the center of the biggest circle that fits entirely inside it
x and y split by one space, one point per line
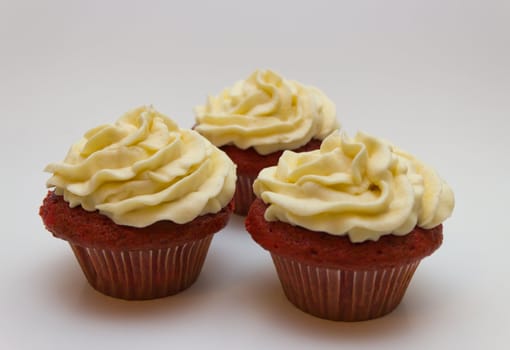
258 118
139 202
348 224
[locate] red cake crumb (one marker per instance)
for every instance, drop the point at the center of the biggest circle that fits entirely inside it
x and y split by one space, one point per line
250 163
92 229
328 250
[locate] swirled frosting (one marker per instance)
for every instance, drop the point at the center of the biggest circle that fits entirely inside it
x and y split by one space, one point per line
268 113
143 169
362 187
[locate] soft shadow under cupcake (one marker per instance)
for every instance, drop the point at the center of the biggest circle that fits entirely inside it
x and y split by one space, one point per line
67 286
265 292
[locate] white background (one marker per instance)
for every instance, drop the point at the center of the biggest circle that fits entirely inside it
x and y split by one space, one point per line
431 76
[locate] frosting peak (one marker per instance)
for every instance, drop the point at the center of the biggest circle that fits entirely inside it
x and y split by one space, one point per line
362 187
266 112
144 169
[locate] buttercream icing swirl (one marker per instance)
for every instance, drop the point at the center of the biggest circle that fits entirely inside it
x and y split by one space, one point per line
268 113
362 187
143 169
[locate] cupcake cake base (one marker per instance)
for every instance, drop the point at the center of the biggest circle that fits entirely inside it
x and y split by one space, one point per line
133 263
331 277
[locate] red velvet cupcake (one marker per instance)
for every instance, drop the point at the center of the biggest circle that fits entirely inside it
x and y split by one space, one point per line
130 262
260 117
139 202
347 225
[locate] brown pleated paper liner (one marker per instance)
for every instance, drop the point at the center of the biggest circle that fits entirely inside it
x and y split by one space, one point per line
145 273
343 295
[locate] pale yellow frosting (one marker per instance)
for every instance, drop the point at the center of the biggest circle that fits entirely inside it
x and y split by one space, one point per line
268 113
362 187
143 169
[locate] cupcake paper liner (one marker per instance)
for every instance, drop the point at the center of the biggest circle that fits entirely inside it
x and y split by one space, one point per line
343 295
244 195
145 273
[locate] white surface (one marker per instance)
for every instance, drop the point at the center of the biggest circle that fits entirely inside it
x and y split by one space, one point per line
432 76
